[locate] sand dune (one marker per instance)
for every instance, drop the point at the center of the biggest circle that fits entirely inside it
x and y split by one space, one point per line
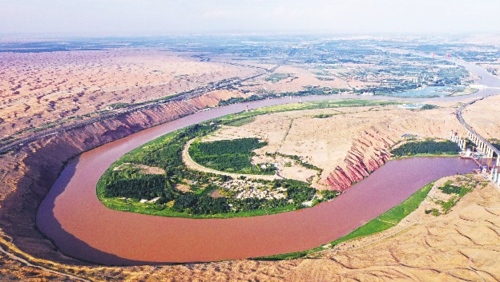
39 88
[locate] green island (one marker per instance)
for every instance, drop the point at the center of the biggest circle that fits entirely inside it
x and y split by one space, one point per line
152 179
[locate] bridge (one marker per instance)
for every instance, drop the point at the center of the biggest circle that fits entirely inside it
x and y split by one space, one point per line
482 145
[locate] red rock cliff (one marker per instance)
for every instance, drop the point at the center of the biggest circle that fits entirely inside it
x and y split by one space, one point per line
367 153
28 174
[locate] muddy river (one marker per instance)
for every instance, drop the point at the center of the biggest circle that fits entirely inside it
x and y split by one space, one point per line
72 216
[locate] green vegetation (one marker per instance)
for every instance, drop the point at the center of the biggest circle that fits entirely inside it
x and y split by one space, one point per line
128 189
239 121
495 142
428 107
145 187
297 159
123 189
323 116
7 140
427 147
287 256
390 218
120 105
311 105
230 156
447 188
309 90
379 224
457 191
275 77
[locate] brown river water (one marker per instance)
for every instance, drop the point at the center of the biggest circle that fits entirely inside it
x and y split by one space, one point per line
72 216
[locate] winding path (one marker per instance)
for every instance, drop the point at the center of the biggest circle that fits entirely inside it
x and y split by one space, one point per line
190 163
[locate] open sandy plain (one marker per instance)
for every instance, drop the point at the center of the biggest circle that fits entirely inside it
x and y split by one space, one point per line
39 88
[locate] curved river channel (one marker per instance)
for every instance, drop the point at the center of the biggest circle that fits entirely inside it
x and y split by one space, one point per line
72 216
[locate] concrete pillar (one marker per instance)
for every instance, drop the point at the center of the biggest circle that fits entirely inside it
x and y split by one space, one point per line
492 173
498 161
495 175
464 145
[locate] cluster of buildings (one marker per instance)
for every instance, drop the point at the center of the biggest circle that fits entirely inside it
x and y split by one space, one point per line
243 189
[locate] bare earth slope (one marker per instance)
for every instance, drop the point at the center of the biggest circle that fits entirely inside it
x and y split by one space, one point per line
348 145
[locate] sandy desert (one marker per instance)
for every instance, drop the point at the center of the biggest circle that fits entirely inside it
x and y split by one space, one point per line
41 88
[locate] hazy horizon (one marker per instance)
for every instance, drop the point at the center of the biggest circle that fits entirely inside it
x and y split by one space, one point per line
156 18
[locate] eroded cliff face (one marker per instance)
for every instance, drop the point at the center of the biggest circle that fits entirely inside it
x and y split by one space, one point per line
28 173
367 154
370 149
